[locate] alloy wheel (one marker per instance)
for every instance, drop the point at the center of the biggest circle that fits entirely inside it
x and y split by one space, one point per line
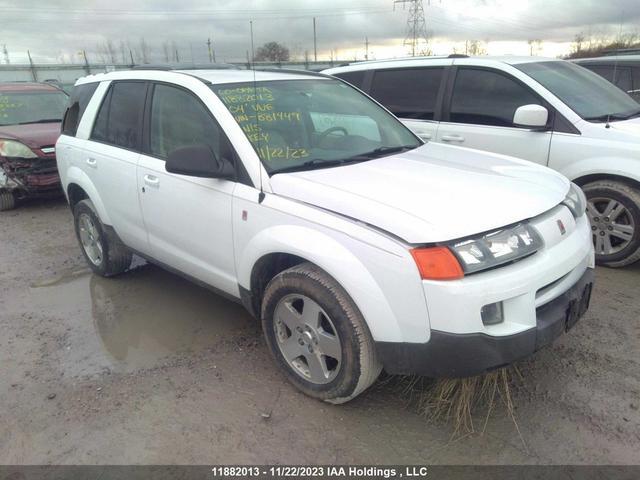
307 339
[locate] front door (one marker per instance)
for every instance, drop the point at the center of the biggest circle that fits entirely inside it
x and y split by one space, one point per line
480 113
188 219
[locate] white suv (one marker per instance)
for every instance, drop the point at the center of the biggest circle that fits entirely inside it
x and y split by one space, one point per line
548 111
356 245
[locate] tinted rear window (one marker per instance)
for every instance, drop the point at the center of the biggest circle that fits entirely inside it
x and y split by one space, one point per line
408 92
120 117
80 97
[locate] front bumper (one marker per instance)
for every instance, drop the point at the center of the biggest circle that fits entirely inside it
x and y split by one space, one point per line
463 355
32 177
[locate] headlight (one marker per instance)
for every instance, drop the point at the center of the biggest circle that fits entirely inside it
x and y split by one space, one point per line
497 248
575 201
11 148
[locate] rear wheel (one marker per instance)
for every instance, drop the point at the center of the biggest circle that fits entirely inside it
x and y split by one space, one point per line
613 209
317 335
7 200
105 255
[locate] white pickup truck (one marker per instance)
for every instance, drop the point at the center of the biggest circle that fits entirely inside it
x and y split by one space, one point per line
357 246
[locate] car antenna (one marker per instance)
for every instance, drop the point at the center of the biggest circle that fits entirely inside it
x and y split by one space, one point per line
615 68
261 195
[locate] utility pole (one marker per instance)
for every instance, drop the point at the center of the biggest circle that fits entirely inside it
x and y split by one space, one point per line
416 25
315 42
209 47
130 56
253 53
366 48
86 62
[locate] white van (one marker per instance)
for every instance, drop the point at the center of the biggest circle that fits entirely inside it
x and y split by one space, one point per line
548 111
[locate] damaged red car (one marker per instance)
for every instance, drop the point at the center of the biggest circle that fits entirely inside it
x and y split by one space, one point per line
30 117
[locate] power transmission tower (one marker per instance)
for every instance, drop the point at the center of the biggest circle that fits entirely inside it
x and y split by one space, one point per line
416 27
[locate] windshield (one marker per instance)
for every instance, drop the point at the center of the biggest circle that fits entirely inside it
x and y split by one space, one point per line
586 93
31 107
312 123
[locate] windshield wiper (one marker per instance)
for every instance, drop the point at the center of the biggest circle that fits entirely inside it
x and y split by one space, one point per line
380 151
42 120
613 116
315 164
318 163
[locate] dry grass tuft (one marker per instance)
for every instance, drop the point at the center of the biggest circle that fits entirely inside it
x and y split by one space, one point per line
462 402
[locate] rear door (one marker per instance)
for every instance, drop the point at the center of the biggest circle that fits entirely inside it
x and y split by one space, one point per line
188 219
110 158
478 113
412 94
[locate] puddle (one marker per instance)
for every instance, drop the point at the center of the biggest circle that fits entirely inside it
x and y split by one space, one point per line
135 320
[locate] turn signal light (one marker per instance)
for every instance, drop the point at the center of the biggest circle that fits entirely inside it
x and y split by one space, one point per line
437 263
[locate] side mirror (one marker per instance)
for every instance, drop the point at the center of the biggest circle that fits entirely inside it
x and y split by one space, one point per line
533 116
199 161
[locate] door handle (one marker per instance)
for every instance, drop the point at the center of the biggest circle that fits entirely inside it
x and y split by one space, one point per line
92 162
452 138
152 181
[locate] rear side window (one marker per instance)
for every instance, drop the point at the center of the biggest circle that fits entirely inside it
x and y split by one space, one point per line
178 119
354 78
482 97
119 120
80 97
408 93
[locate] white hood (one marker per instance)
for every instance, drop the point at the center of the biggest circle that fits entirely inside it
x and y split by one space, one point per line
431 194
631 126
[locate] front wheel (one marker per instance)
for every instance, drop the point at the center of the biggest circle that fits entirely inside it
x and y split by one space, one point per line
613 209
317 335
7 200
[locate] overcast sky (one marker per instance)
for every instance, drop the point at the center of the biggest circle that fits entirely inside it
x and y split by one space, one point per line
54 30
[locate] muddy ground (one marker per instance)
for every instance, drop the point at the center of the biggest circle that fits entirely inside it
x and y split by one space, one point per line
149 368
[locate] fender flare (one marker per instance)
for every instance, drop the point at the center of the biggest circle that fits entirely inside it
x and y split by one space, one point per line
77 176
613 166
334 258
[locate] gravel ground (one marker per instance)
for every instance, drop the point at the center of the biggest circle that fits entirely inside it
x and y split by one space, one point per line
149 368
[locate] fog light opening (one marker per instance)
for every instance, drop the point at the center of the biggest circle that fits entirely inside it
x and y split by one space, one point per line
492 314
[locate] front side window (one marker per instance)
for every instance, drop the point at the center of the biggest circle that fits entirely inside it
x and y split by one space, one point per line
120 117
312 123
408 92
586 93
484 97
78 102
23 107
178 119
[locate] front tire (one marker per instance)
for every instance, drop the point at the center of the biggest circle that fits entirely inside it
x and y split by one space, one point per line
105 255
317 335
7 200
613 209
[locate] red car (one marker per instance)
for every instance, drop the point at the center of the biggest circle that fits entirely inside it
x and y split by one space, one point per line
30 117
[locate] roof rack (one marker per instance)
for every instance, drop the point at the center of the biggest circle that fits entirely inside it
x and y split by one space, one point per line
310 73
458 55
185 66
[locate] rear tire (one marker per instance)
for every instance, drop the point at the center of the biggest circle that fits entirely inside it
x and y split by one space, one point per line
317 335
104 253
614 213
7 200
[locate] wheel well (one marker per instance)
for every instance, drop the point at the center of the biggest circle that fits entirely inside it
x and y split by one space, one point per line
263 272
581 181
76 194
